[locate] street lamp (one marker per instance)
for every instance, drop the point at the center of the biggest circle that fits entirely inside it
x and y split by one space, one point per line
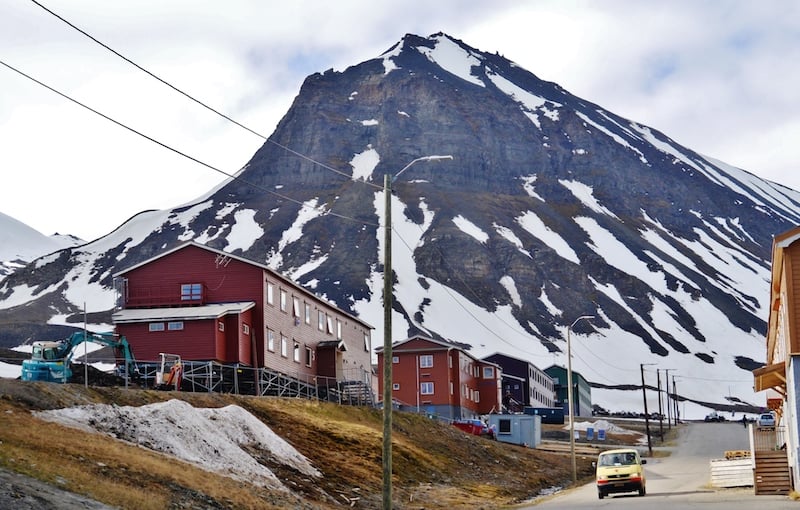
387 330
569 397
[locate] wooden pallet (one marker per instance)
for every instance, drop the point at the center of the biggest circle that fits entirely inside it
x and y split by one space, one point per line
737 454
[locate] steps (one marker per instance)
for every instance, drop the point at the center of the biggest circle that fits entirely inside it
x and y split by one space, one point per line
772 474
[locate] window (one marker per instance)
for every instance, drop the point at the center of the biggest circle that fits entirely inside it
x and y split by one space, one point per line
309 356
488 372
175 326
338 330
246 329
308 313
296 352
221 326
366 342
296 307
284 346
191 291
329 325
395 386
504 426
426 361
426 388
156 326
395 359
271 340
270 293
321 320
283 300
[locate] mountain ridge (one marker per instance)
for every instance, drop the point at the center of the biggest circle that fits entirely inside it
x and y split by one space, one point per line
552 208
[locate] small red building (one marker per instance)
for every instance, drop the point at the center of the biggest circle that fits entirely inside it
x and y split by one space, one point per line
207 305
440 378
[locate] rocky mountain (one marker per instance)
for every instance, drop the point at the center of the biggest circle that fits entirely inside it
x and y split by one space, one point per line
551 208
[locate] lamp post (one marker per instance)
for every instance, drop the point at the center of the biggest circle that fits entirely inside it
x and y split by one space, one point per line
387 330
569 397
646 416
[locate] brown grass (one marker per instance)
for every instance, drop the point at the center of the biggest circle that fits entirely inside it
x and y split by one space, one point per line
435 465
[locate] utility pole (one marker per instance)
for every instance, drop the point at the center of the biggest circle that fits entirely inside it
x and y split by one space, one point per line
675 396
669 403
386 459
646 416
660 413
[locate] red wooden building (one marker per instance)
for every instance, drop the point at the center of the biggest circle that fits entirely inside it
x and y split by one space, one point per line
440 378
207 305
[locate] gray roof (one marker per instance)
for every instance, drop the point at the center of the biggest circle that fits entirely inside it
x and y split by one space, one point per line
211 311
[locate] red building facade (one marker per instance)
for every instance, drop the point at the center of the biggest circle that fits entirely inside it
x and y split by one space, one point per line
440 378
207 305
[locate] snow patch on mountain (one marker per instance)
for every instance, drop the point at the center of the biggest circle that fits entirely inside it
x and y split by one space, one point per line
453 58
471 229
536 227
364 163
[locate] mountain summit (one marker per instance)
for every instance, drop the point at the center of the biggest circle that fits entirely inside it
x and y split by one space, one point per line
551 208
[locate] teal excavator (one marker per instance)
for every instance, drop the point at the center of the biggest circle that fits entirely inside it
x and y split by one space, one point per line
50 361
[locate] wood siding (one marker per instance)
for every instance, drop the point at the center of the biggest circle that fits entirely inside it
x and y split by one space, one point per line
226 279
792 269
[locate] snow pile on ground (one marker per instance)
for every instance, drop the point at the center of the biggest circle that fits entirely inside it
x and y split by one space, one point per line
213 439
601 425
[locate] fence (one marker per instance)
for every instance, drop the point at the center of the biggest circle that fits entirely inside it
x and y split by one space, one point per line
354 387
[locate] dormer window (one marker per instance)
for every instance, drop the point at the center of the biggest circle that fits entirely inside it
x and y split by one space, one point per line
191 292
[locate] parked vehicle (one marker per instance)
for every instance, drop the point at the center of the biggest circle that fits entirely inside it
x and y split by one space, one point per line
714 416
475 427
766 420
620 471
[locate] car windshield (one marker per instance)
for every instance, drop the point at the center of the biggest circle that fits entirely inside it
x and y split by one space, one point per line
618 459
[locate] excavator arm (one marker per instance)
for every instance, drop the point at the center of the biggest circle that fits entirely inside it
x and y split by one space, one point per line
50 361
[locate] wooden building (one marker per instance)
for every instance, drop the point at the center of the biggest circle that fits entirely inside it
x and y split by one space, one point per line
440 378
207 305
780 377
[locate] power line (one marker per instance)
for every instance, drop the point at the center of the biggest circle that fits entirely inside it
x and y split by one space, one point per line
192 98
172 149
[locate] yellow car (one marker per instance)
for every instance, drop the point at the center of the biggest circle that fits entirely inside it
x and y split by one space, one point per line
620 471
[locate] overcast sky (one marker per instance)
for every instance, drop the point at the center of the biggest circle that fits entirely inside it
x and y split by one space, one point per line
720 77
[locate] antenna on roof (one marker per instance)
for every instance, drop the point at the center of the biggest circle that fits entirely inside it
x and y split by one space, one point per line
222 260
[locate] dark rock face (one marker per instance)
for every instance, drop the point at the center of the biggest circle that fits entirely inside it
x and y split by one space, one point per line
569 197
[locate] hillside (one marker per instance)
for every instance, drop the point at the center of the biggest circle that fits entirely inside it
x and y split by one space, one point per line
436 465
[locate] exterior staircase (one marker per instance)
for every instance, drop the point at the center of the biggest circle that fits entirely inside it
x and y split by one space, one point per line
772 475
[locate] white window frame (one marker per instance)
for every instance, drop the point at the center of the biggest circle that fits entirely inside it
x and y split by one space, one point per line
284 346
270 293
307 313
175 326
296 307
296 352
284 297
270 340
426 361
154 327
426 388
488 372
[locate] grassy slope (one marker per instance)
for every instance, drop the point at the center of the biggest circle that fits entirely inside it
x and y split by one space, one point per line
434 465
